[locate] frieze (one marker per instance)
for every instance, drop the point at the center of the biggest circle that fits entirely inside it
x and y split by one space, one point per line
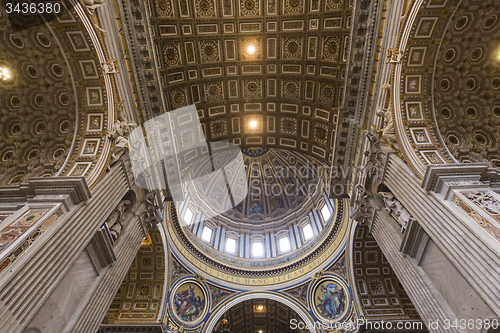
285 273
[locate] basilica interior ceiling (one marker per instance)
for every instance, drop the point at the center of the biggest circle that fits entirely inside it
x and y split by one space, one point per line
467 81
447 108
283 188
269 199
261 316
54 108
280 63
38 109
262 73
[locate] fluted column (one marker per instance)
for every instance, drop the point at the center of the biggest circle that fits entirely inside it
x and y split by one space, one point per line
430 304
29 281
476 259
94 307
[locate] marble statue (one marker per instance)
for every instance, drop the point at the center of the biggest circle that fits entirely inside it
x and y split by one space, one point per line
119 134
150 216
116 219
396 209
92 5
388 130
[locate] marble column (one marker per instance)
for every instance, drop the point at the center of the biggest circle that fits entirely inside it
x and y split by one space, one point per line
430 304
476 259
30 280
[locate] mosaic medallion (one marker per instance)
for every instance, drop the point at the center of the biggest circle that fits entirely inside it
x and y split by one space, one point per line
178 98
294 6
209 51
292 48
327 93
334 4
330 299
213 90
164 8
291 88
249 7
252 88
205 8
189 303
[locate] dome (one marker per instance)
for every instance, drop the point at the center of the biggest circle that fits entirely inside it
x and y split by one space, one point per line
283 215
467 80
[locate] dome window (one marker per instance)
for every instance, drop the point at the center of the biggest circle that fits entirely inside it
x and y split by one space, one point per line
257 249
231 245
284 244
325 212
188 216
206 234
308 231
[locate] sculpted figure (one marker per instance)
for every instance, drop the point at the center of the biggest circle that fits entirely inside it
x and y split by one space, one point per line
396 209
92 5
150 216
119 134
388 130
116 219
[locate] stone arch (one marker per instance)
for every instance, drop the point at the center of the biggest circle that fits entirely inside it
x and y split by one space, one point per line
216 316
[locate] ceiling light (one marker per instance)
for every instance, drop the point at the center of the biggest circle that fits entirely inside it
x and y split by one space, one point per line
5 74
251 49
260 308
253 124
261 331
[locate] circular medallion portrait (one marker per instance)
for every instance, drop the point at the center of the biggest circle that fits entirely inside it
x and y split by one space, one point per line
189 303
330 299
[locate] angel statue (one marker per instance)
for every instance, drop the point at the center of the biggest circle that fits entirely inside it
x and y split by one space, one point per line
388 130
91 6
119 134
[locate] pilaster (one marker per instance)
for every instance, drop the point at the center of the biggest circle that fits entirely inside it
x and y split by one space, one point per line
430 304
475 257
27 284
95 305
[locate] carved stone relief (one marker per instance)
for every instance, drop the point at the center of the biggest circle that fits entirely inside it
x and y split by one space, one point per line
394 207
119 134
116 219
485 200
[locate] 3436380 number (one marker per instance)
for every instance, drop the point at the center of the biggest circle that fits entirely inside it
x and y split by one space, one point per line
33 8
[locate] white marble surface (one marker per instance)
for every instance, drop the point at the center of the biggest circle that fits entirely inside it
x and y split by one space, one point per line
458 293
54 314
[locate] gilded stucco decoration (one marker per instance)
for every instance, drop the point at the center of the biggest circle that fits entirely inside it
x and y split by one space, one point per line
445 92
140 296
241 60
57 110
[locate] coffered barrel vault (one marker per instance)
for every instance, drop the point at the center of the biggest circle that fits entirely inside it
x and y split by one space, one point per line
280 63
